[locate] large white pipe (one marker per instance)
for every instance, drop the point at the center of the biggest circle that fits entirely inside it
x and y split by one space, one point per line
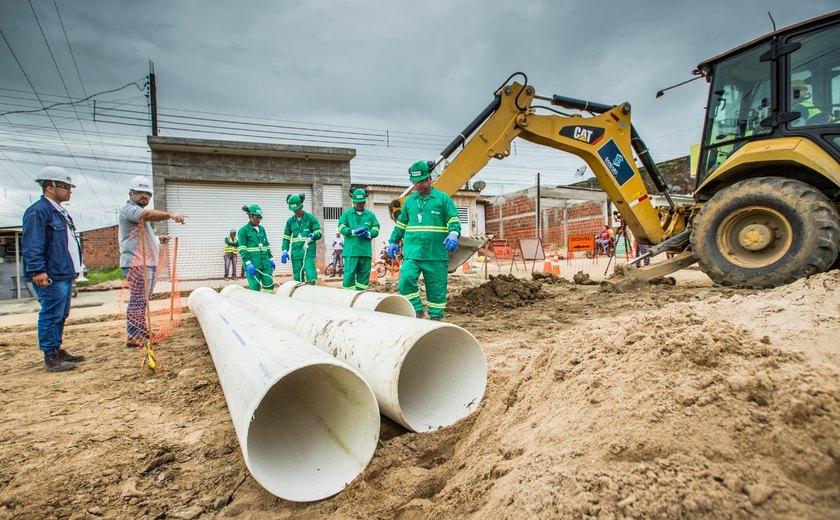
366 300
425 374
307 424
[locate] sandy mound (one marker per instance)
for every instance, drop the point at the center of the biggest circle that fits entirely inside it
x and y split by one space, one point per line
669 402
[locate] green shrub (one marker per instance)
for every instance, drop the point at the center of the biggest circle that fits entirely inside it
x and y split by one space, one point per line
96 275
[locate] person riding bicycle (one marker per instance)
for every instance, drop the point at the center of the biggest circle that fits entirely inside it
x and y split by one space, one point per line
359 227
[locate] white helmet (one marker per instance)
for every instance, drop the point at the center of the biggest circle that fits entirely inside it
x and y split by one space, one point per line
140 183
54 173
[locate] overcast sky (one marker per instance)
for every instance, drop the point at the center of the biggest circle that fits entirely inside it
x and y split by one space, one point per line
394 80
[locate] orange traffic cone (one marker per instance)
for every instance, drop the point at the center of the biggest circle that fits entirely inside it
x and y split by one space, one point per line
555 265
547 265
374 276
465 267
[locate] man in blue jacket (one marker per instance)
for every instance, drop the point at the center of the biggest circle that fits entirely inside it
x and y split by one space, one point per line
52 259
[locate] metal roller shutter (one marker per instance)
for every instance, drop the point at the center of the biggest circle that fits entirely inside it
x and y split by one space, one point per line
332 210
213 209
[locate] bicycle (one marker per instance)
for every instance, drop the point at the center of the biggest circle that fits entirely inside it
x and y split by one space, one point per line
335 270
386 264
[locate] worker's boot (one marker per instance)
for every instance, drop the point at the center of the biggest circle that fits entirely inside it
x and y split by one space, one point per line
420 314
56 363
66 356
435 318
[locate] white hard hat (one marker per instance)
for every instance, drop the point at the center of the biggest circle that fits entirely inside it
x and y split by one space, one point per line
140 183
54 173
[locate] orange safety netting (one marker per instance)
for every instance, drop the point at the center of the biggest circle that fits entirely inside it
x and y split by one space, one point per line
150 299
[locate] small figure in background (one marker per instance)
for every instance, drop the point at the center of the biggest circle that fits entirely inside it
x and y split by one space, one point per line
337 248
231 254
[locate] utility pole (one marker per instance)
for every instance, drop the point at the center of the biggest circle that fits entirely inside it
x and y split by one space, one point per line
539 224
153 97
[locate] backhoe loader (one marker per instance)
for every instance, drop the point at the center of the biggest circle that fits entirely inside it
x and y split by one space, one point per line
767 191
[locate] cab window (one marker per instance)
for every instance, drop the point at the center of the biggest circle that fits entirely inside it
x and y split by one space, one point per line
739 101
814 79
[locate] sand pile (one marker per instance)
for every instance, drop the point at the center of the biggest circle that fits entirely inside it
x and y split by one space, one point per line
671 403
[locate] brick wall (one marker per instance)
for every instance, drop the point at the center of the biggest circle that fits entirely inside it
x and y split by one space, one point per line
101 247
519 220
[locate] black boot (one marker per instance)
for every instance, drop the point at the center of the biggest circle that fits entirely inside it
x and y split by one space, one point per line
66 356
56 363
420 314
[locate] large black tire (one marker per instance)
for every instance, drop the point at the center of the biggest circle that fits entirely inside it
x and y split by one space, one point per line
766 232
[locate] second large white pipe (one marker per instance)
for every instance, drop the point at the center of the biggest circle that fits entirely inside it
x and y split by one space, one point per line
366 300
425 374
307 423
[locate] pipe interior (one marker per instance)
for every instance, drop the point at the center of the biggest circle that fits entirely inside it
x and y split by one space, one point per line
442 379
395 305
313 432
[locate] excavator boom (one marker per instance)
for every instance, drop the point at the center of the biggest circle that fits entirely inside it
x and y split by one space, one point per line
606 141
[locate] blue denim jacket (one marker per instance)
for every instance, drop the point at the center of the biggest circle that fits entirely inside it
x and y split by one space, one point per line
45 243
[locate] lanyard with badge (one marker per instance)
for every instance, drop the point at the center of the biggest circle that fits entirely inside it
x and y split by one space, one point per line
421 206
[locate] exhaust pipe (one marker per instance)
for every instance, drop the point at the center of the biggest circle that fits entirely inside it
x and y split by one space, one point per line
425 375
364 300
307 424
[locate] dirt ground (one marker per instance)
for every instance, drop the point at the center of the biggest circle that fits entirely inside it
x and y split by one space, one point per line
669 401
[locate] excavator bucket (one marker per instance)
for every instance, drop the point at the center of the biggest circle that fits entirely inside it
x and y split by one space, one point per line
467 246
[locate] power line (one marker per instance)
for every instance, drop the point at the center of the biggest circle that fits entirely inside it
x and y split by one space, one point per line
88 98
67 90
29 81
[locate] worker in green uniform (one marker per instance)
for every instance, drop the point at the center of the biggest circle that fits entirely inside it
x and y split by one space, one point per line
255 251
359 227
429 227
302 231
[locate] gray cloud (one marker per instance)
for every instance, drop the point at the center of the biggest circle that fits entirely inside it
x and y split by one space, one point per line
422 67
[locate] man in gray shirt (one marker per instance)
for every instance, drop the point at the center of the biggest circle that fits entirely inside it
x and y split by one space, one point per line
132 214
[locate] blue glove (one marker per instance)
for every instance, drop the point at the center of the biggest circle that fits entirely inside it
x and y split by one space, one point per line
364 234
273 265
284 257
451 241
359 230
393 250
250 269
310 236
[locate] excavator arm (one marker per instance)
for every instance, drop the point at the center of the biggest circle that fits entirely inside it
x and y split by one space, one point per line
606 141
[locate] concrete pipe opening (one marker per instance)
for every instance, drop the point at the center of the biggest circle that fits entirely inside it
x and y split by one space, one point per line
442 379
365 300
387 303
311 432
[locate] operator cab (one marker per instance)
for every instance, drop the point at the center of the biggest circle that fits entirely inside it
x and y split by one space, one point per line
784 84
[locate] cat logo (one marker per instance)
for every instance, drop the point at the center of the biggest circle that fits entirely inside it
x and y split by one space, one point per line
582 134
585 134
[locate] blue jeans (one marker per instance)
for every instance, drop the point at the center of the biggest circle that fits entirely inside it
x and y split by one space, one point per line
135 313
55 307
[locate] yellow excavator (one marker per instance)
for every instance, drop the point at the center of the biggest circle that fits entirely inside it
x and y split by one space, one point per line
767 192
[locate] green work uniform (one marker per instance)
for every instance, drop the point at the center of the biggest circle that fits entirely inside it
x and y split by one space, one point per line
423 224
253 247
357 250
296 232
